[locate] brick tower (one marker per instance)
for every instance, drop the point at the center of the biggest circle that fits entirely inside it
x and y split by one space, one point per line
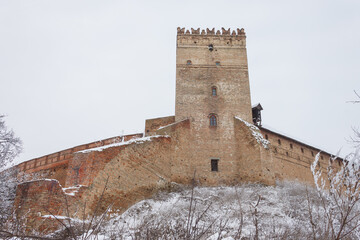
212 87
212 76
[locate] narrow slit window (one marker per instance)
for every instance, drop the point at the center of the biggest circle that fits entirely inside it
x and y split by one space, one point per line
291 146
266 137
213 120
213 91
279 141
214 165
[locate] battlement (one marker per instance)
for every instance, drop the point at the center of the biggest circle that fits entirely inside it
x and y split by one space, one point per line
224 32
201 37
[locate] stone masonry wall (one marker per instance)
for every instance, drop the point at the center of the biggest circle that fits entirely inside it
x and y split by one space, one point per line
292 159
37 203
152 125
55 166
135 173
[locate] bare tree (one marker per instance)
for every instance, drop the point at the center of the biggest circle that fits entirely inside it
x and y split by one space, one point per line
339 192
355 101
10 145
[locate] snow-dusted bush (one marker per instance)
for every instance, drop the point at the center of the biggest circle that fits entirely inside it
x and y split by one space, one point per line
8 183
339 195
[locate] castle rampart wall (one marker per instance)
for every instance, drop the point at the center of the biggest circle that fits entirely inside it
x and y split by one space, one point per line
292 158
132 172
55 165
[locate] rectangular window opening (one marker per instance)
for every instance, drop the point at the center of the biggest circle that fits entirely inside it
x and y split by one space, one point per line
214 165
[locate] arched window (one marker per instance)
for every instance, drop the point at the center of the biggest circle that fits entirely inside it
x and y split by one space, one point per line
213 91
213 120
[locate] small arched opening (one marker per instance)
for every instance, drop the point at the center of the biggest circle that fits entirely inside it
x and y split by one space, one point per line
213 91
213 120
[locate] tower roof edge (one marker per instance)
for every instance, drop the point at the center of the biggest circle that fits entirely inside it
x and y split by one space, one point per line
211 32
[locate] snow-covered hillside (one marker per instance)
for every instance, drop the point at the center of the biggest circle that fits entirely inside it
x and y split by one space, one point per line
286 211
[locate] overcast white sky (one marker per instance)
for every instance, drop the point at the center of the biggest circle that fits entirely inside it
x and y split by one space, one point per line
73 72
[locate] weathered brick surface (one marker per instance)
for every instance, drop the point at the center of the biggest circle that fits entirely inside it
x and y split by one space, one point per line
55 165
152 125
37 201
136 172
292 159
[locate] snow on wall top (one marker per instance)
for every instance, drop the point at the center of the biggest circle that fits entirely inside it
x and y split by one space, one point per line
266 127
171 124
255 131
136 140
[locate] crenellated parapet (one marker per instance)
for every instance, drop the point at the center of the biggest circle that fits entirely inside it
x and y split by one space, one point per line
220 37
223 32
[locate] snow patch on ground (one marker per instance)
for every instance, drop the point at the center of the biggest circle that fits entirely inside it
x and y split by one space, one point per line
136 140
256 133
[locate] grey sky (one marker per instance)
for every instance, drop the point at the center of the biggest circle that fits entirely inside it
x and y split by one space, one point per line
73 72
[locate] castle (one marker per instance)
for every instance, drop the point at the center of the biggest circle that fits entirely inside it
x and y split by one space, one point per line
215 137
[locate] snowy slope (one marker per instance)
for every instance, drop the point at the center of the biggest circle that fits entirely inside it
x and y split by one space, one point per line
279 212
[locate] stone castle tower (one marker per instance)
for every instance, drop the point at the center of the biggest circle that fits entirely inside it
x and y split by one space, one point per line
212 87
212 77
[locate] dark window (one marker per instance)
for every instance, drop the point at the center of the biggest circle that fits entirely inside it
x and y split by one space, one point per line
214 165
312 153
302 150
291 146
217 63
279 141
211 47
213 120
287 154
213 91
266 137
322 158
188 62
